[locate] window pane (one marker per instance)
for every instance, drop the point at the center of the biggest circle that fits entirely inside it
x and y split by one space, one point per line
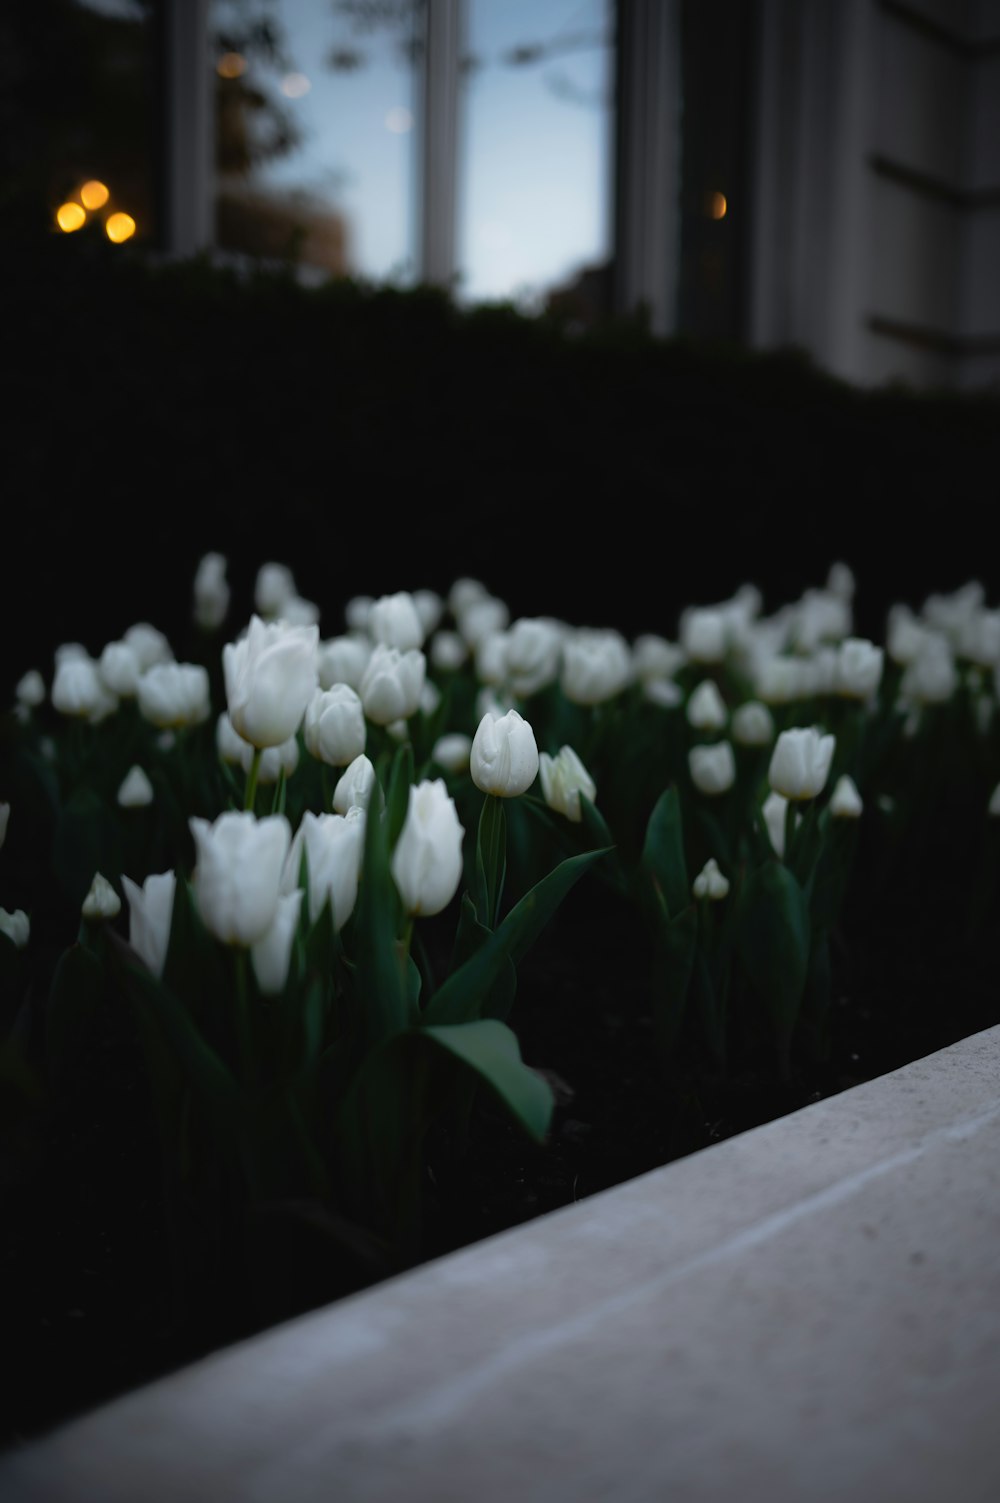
315 132
534 200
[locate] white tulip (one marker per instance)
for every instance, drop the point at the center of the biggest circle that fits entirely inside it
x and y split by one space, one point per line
101 902
30 689
753 724
430 609
800 763
858 671
68 651
713 768
951 613
354 788
334 846
356 613
211 592
78 689
16 926
774 812
274 588
394 621
704 634
533 651
271 675
654 657
710 883
452 752
781 680
299 612
172 695
993 807
483 616
149 645
151 911
491 658
845 800
120 669
334 726
597 665
430 697
274 760
979 638
228 743
343 660
663 692
840 581
271 955
136 790
427 861
504 757
905 635
392 683
563 779
487 703
706 709
448 651
238 872
465 593
931 677
820 617
4 820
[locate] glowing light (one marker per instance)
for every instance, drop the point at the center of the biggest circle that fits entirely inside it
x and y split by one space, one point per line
294 85
70 217
399 121
716 206
231 65
120 227
94 194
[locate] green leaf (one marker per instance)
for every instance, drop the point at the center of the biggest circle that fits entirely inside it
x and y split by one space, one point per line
491 860
75 1010
397 801
663 852
490 1050
86 840
595 824
469 939
773 939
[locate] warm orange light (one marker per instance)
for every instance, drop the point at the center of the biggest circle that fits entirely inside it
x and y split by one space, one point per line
94 194
70 217
231 65
716 205
120 227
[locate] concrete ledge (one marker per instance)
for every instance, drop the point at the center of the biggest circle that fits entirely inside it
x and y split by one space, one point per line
805 1312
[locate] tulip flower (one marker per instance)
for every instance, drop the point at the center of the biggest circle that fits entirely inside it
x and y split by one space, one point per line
238 871
273 589
151 911
271 955
394 621
211 592
533 653
30 689
662 692
781 680
448 651
504 757
430 697
120 669
174 695
704 634
228 743
16 926
993 807
931 677
136 790
979 638
452 752
427 861
564 778
713 768
775 812
343 660
430 609
4 818
299 612
334 726
101 902
271 675
753 724
78 689
149 645
800 763
272 762
597 665
355 785
391 685
710 883
334 845
858 670
845 800
655 658
491 658
820 617
483 616
356 613
706 709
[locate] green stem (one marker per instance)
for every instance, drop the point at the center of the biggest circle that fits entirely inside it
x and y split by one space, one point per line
244 1032
252 775
491 857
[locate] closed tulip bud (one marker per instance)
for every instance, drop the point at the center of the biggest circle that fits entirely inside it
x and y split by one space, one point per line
753 724
343 660
820 672
274 760
430 698
274 588
394 621
533 652
392 683
78 690
16 926
800 763
775 811
4 819
101 902
271 955
663 692
211 592
597 665
356 613
151 911
504 758
487 703
149 645
452 752
491 658
931 678
845 800
228 743
334 845
68 651
858 670
271 675
30 689
173 695
706 709
448 651
120 670
430 609
704 634
354 788
979 638
334 726
951 613
238 872
905 635
299 612
710 883
463 594
136 790
564 778
781 680
654 657
713 768
820 617
427 860
482 617
840 581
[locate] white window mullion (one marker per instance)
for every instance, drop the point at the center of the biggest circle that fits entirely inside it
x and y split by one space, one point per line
189 128
438 126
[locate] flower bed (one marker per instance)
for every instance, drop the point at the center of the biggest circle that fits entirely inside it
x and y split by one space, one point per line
320 1057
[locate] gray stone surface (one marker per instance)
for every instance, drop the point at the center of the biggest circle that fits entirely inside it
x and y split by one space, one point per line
806 1312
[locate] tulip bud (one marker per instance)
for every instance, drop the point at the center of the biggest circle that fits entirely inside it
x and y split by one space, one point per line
343 660
273 589
236 879
119 668
395 622
713 768
151 911
463 593
979 638
173 695
487 703
931 677
211 592
704 634
299 612
858 671
77 688
271 676
905 635
427 861
228 743
706 709
504 758
710 883
452 752
30 689
271 955
430 609
533 652
16 926
491 658
597 665
800 763
654 657
356 613
392 682
430 697
662 692
334 845
780 680
774 812
753 724
448 651
845 800
564 778
4 818
820 617
840 581
334 727
149 645
136 790
274 760
482 617
354 787
101 902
